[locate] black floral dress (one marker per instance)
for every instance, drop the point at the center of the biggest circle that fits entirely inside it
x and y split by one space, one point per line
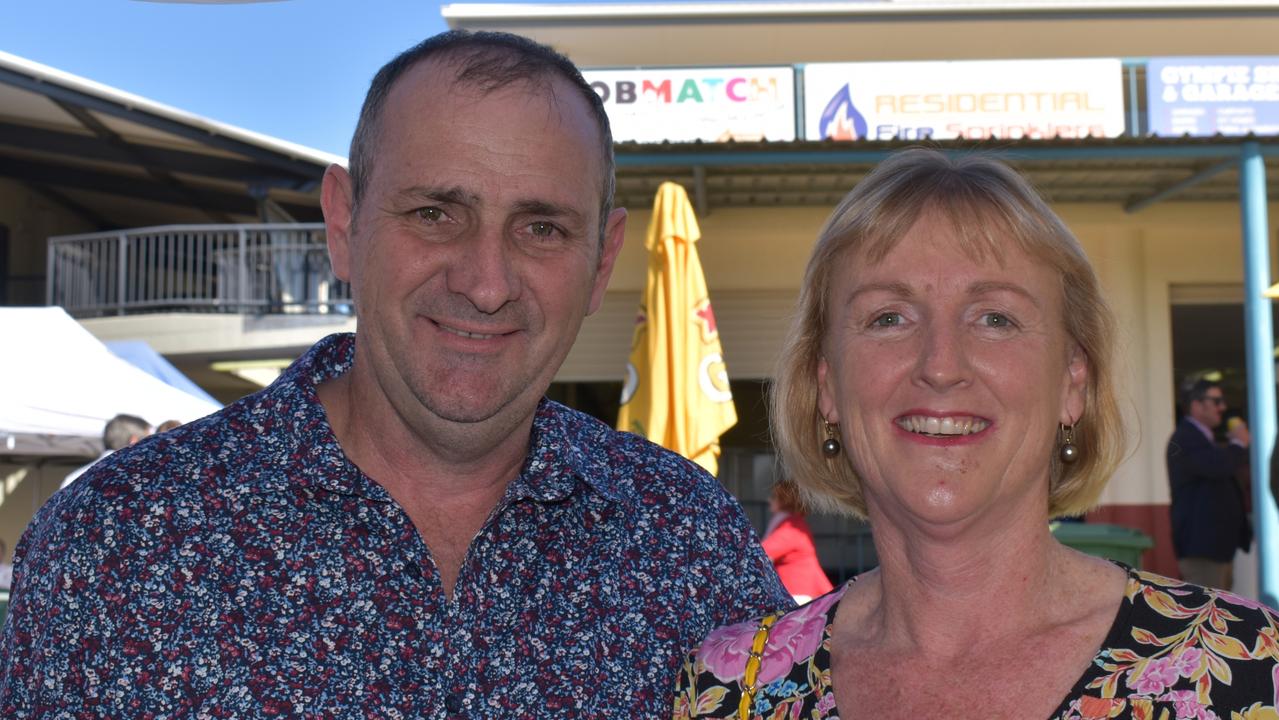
1175 651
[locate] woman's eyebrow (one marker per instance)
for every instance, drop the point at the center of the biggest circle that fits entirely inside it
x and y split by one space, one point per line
984 287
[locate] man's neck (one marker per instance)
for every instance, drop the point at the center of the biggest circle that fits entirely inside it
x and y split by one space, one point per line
448 480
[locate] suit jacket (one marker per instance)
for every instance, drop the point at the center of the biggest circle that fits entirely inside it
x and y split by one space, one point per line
1208 516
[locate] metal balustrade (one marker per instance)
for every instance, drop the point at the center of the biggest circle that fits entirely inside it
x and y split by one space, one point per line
264 268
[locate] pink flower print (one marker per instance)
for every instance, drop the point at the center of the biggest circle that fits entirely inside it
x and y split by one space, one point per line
1274 682
1187 662
827 703
1240 600
1186 704
725 649
795 638
1154 677
796 635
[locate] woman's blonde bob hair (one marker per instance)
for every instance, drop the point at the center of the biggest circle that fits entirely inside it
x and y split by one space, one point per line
987 203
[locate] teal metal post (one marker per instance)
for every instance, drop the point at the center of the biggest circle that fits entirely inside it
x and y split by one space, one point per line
1261 363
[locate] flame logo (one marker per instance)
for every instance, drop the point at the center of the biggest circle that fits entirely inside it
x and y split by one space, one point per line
840 119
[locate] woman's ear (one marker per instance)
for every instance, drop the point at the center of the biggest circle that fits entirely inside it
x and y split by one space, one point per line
826 393
1075 393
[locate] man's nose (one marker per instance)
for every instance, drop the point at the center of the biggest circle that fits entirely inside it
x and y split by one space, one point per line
484 271
943 361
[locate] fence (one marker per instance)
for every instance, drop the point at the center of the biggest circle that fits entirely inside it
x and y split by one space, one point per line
196 268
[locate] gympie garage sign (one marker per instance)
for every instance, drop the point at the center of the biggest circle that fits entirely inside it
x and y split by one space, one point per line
1001 99
709 104
1203 96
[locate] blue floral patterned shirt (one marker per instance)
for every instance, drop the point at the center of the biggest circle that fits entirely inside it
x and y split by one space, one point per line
241 566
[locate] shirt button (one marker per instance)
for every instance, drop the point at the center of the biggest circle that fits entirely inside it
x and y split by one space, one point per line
412 569
453 702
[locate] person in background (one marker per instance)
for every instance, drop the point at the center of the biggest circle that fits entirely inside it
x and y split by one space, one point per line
120 432
950 376
168 425
402 525
788 542
1209 517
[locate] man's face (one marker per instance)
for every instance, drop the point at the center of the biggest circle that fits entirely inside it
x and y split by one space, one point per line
475 253
1210 409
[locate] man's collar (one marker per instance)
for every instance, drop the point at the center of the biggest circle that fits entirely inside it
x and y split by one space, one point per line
564 447
1202 428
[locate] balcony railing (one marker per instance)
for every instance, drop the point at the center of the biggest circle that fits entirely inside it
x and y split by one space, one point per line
196 268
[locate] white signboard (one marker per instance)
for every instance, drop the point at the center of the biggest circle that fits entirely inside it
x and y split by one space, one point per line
710 104
1002 99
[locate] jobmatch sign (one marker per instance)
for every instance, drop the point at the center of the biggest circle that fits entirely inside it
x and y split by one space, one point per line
708 104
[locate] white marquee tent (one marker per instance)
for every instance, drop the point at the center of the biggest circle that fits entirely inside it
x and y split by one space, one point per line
59 385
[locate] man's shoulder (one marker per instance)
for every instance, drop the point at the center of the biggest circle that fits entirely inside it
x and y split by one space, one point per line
631 465
221 454
1186 434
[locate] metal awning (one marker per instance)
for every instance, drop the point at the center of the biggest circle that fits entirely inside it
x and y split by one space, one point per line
1133 172
119 160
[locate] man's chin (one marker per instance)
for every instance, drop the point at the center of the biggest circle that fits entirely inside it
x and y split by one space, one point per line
474 409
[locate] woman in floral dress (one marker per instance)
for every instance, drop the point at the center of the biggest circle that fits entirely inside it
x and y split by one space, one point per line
950 378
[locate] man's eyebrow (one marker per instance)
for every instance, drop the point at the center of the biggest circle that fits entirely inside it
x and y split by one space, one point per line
547 208
443 195
993 286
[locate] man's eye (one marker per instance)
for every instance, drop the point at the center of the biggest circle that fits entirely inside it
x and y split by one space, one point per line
430 214
542 228
887 320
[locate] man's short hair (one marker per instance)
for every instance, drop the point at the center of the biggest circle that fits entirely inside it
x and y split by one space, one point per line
488 61
1196 388
122 429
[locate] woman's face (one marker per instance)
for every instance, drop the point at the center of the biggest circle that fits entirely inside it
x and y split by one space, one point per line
948 377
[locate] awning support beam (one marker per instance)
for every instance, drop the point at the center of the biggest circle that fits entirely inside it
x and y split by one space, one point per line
700 201
1199 177
97 127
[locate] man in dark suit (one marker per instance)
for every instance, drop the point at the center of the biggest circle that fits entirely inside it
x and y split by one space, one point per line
1209 521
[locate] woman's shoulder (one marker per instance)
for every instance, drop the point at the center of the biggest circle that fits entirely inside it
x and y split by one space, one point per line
716 674
1190 649
1168 600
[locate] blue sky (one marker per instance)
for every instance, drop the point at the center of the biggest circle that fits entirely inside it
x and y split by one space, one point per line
295 69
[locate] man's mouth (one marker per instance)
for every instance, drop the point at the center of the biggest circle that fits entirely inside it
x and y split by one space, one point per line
464 333
942 426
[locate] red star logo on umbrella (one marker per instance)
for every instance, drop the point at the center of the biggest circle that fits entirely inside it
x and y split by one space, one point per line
706 317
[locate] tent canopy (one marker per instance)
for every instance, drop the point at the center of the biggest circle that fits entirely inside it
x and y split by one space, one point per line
59 386
141 355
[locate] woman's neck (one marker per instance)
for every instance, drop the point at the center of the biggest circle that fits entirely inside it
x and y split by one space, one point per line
945 593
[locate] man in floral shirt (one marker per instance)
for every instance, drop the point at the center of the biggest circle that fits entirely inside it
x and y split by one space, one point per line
401 526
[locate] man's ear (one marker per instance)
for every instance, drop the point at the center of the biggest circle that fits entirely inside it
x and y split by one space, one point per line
614 236
335 200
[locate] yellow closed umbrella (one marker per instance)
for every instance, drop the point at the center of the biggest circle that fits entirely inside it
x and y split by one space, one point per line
676 392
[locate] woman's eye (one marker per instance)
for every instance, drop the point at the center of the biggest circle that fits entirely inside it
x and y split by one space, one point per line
887 320
996 320
430 214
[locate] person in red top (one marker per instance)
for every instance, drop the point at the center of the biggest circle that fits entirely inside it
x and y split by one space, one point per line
789 544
